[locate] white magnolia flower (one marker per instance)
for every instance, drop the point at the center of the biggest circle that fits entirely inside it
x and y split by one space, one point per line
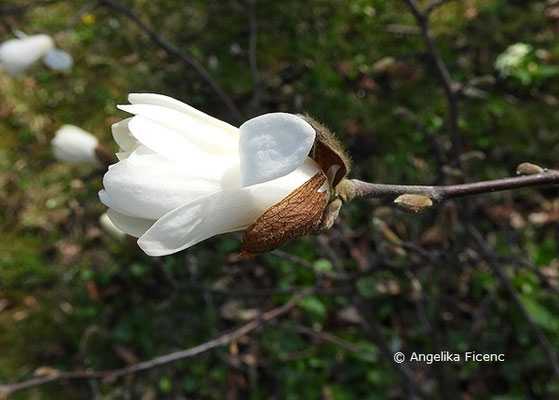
74 145
184 176
17 55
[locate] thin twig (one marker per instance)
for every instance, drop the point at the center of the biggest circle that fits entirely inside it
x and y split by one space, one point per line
20 8
253 40
329 337
87 8
422 19
436 148
481 314
545 279
439 193
371 327
183 55
540 337
308 265
402 29
221 340
434 5
265 292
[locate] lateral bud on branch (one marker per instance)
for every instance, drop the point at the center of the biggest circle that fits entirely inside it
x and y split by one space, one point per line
528 169
413 202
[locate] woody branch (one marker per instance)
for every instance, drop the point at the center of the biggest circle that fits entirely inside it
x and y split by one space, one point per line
221 340
440 193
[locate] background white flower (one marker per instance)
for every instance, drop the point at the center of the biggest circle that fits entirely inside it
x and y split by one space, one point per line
74 145
185 176
17 55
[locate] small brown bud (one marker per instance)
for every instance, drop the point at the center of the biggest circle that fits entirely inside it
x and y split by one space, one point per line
45 370
474 155
384 64
528 169
413 202
452 172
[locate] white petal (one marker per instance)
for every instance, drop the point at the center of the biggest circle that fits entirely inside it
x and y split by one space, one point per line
174 146
131 225
269 193
160 139
74 145
149 186
169 102
110 228
225 211
207 136
122 135
58 59
109 202
122 155
16 55
273 145
199 220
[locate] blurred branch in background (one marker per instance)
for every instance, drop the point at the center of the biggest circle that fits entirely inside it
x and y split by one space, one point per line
493 262
221 340
253 41
6 10
372 329
422 19
183 55
434 5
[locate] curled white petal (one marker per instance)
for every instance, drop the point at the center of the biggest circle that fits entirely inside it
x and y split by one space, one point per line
273 145
122 135
132 226
17 55
163 140
169 102
208 137
110 228
74 145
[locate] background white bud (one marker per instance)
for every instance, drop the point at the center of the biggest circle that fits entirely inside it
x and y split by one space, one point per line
74 145
17 55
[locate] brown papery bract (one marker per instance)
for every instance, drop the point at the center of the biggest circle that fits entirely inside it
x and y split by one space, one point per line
297 215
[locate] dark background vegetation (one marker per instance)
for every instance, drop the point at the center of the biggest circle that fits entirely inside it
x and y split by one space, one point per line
473 274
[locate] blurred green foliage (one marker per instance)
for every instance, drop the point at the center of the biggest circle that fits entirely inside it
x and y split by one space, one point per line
73 298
